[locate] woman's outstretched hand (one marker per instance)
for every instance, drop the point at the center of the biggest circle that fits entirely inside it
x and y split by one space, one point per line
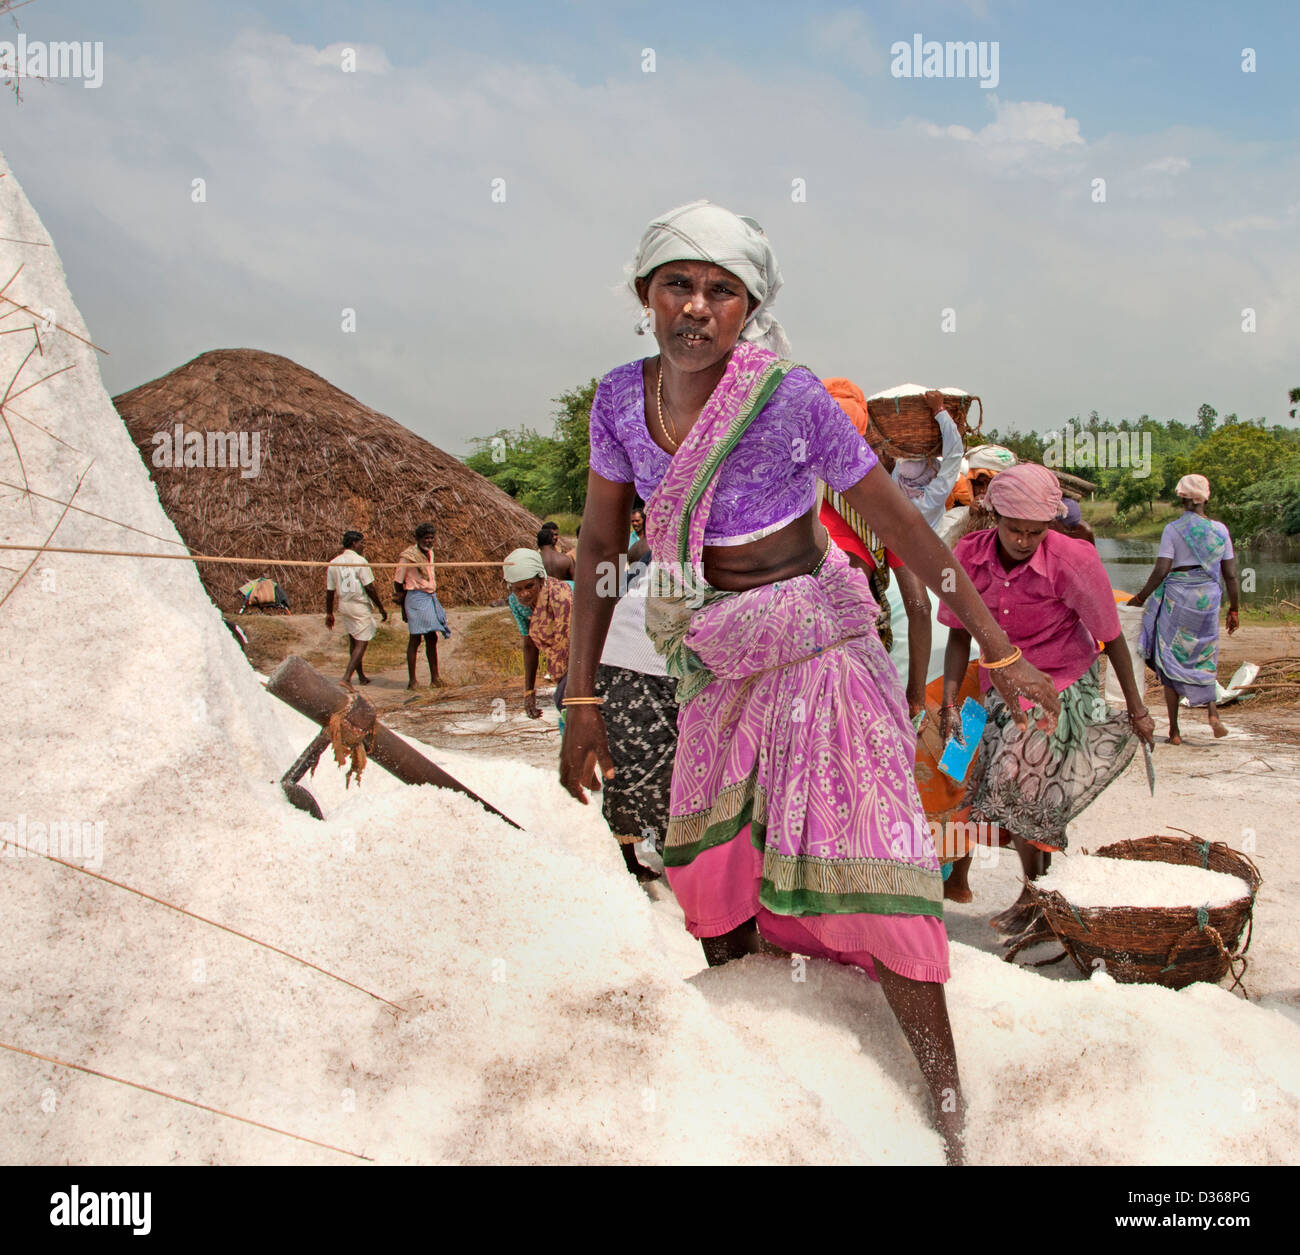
1022 679
585 749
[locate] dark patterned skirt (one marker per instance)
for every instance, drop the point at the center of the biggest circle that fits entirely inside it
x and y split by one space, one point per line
641 723
1033 783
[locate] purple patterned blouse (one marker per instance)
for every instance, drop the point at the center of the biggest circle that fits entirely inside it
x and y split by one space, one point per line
769 479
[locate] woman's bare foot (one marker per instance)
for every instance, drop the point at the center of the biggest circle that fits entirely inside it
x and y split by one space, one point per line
362 679
1216 726
955 888
412 685
1174 739
1017 917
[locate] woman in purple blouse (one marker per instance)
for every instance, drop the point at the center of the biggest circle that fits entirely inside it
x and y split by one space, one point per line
793 813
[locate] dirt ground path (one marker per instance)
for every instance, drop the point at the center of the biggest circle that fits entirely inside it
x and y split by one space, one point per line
482 710
479 707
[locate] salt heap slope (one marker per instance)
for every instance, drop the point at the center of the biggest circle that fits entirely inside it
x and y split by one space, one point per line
541 1021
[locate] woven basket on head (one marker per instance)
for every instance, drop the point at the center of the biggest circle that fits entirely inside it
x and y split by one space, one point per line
902 427
1171 946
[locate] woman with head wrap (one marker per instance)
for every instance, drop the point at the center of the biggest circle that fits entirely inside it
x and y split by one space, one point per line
541 607
793 812
967 511
1054 598
1180 623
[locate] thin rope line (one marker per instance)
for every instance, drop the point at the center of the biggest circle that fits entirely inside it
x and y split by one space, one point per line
31 423
207 557
189 1102
12 438
54 529
60 326
85 871
41 380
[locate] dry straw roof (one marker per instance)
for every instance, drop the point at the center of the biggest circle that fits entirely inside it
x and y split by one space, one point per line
327 464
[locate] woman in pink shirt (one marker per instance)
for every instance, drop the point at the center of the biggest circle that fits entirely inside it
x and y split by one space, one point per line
1051 596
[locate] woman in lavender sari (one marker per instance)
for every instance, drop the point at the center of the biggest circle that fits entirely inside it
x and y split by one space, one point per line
1180 625
794 813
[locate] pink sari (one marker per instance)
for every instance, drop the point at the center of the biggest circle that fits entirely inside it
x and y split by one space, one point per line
793 800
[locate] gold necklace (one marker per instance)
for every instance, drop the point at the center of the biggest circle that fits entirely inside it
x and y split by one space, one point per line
659 390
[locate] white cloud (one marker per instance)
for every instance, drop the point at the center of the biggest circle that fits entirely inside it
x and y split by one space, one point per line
372 191
846 37
1030 137
365 58
1168 165
1021 122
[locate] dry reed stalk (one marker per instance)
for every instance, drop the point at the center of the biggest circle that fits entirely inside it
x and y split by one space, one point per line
189 1102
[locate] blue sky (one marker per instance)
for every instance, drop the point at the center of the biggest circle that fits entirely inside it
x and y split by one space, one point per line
370 191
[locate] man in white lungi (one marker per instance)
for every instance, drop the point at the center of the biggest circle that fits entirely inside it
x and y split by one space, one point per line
350 581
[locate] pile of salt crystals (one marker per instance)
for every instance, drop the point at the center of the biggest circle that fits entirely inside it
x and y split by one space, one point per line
914 390
1089 881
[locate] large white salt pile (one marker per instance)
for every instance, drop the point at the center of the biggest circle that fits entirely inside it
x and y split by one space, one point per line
549 1010
1089 881
543 1022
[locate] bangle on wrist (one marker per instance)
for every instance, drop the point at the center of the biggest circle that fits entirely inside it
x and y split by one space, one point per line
1014 656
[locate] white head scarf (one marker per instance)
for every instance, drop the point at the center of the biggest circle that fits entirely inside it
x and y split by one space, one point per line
1195 488
912 474
990 457
702 231
523 564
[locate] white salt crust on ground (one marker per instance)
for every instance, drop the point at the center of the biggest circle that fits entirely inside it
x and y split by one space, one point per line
554 1011
1087 881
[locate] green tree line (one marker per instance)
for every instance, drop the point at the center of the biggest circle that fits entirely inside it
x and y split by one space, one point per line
545 474
1254 469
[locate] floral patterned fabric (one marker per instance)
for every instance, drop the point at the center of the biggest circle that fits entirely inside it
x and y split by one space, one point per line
548 628
772 474
1032 783
804 732
794 723
1180 633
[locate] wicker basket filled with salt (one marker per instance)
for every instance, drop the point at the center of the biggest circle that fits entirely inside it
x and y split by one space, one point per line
1172 945
901 425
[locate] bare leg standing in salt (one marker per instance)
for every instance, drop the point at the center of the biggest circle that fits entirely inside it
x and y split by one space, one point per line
771 636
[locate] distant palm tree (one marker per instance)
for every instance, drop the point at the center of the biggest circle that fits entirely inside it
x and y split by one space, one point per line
1295 400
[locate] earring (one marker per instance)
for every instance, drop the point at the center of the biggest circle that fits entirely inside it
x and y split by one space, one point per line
643 327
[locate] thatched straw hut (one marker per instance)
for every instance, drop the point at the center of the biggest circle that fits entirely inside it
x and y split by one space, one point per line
323 463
